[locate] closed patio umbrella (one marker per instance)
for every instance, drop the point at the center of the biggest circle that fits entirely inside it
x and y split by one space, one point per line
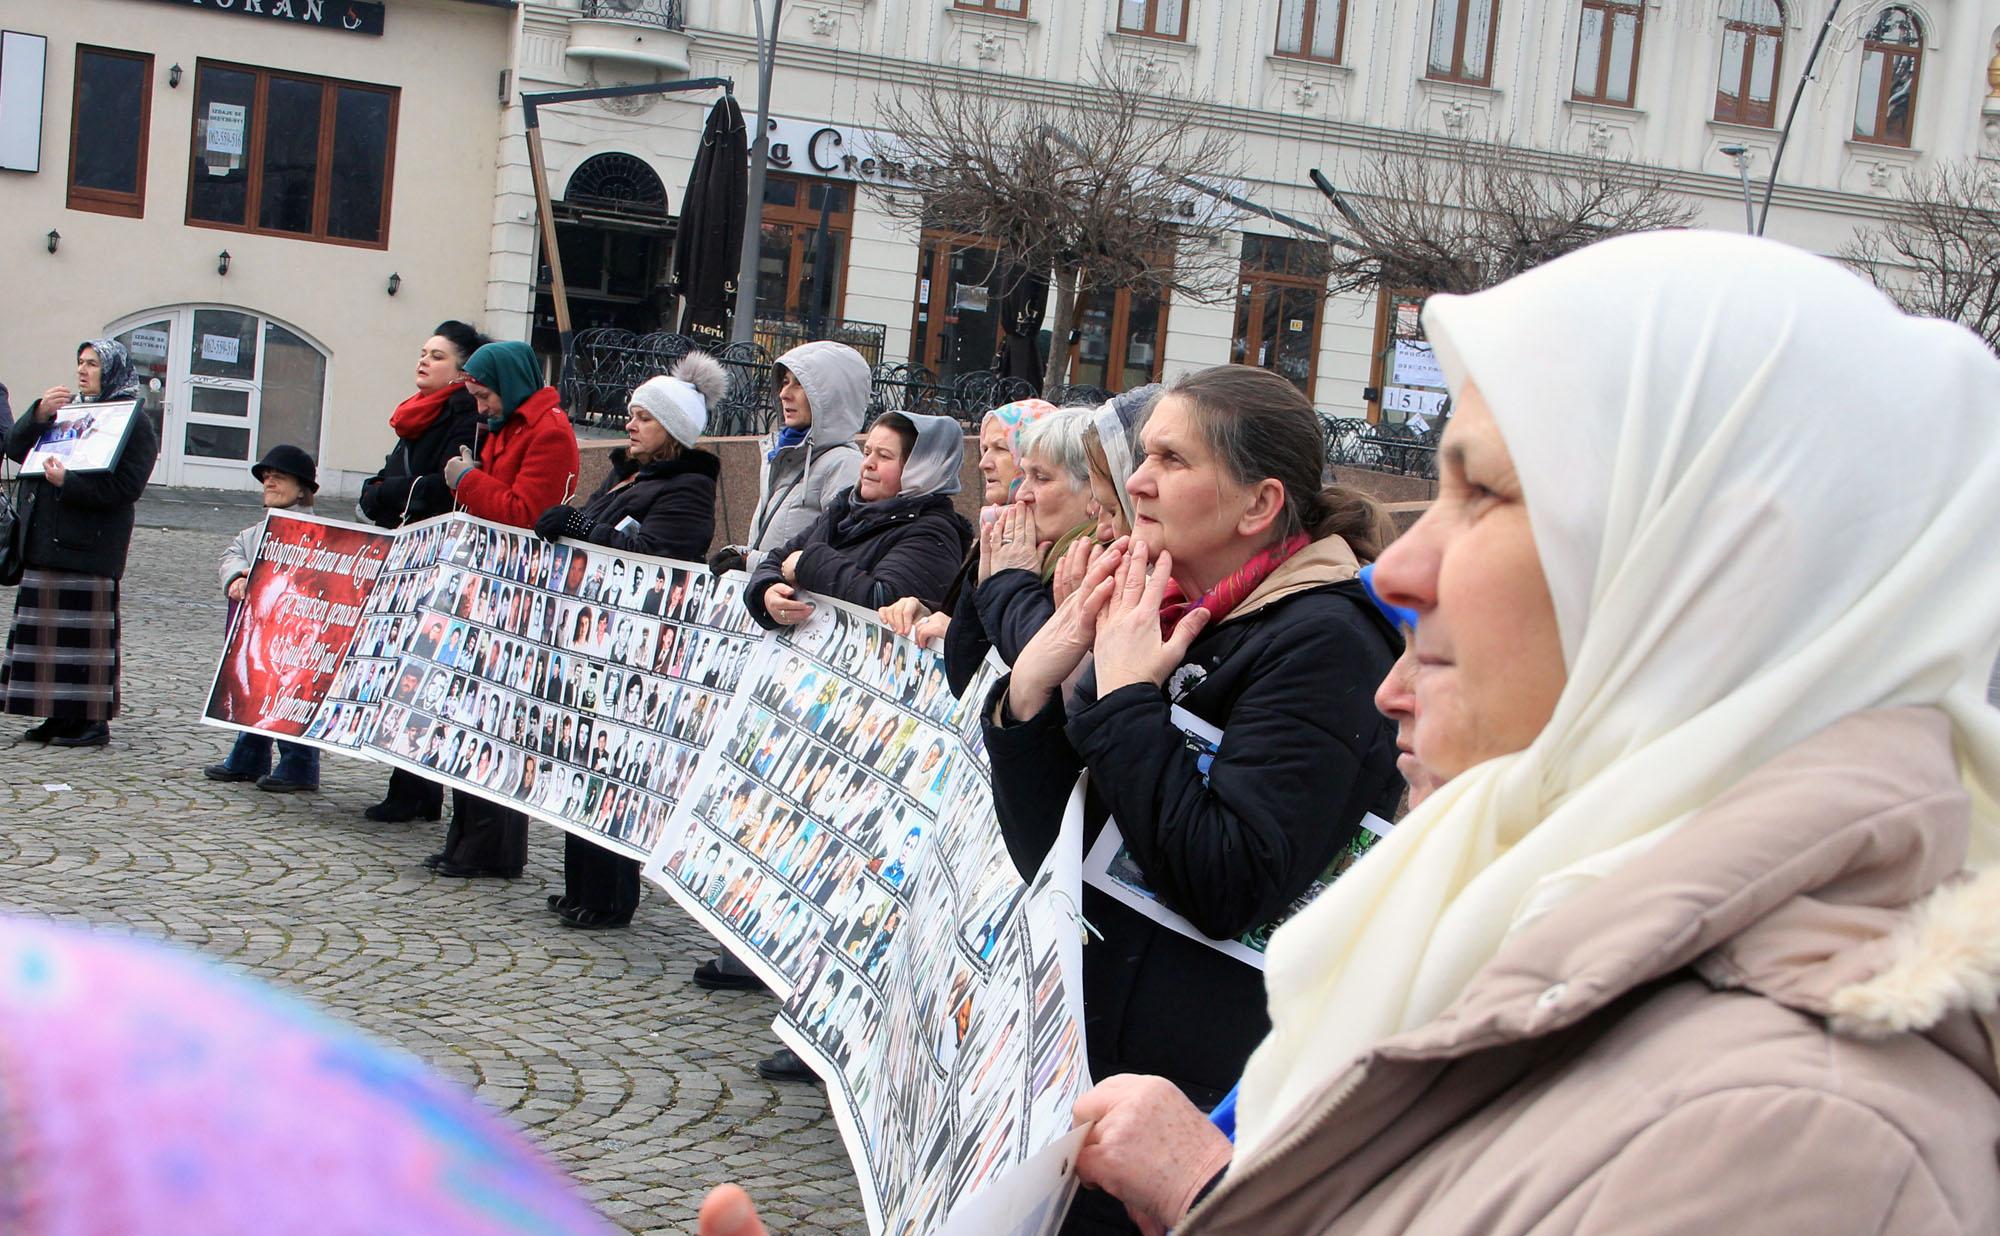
711 226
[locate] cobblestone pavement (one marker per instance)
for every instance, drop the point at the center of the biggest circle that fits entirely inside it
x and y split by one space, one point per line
642 1085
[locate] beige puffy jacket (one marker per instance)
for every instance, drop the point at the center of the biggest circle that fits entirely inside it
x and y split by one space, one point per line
1768 1024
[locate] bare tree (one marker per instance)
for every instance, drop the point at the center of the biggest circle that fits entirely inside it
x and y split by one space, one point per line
1101 196
1463 215
1936 252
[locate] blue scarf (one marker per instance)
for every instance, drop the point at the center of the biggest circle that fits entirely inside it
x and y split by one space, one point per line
788 435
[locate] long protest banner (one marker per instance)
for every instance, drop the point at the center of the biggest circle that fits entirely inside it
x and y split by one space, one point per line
817 798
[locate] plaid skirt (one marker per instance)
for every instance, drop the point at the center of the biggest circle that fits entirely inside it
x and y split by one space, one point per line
62 655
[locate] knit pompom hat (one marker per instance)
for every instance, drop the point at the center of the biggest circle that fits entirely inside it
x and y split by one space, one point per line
680 399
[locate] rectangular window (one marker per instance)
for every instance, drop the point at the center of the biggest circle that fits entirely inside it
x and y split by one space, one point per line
1007 8
1311 29
1607 52
1278 299
1462 41
1163 19
790 283
109 115
290 155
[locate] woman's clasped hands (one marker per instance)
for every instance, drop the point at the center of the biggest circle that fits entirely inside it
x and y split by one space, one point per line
1112 613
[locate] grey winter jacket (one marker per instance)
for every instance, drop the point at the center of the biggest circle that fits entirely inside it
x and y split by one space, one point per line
801 481
242 552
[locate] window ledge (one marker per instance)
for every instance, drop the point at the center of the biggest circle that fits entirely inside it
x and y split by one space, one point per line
1452 86
1737 126
1306 64
1150 40
1862 146
977 15
1595 105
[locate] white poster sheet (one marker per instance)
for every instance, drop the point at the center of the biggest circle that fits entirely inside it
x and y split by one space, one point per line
1110 868
86 437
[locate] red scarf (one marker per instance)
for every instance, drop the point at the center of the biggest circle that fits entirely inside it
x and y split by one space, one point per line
1228 594
420 411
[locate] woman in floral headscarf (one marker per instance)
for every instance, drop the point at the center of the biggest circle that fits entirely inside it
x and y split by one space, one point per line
62 654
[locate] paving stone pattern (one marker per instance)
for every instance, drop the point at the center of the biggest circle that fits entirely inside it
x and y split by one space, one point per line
640 1084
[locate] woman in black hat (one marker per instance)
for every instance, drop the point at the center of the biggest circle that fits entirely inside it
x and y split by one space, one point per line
62 654
290 479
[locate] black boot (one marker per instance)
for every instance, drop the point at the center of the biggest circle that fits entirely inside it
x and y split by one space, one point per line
84 734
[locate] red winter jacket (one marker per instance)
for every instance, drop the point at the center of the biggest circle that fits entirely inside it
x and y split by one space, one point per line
527 467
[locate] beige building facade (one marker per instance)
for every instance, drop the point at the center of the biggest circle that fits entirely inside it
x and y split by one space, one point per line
333 151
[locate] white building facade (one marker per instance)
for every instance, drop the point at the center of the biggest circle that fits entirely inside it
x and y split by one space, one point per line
364 167
1302 83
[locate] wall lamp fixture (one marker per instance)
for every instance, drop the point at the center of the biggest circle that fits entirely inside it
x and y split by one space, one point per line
222 262
395 283
55 238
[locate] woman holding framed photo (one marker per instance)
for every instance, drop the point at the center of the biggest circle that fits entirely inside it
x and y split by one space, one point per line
75 528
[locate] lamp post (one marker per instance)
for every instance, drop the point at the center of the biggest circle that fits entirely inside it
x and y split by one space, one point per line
1741 154
743 322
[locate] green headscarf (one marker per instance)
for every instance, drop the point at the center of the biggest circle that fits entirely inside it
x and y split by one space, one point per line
510 371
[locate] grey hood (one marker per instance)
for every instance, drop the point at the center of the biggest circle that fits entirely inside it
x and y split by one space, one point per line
836 381
934 462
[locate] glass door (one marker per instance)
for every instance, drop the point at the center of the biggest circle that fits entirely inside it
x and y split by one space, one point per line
222 386
151 346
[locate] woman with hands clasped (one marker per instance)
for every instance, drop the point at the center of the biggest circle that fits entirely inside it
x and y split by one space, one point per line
1000 472
1236 599
1021 546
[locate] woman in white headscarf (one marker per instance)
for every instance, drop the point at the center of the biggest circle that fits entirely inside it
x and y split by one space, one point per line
1702 932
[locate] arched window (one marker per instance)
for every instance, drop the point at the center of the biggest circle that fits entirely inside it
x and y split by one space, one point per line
1753 50
1607 51
1891 54
617 182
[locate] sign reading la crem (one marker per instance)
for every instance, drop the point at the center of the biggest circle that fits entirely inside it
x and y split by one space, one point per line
351 16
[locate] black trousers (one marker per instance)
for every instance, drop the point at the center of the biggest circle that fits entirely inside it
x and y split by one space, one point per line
597 879
483 834
425 797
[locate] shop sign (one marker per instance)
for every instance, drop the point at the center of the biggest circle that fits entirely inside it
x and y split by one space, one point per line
838 152
352 16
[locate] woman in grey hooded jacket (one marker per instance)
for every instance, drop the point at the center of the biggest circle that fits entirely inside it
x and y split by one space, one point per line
823 394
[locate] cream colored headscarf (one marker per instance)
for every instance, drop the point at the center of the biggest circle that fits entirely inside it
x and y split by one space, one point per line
1764 499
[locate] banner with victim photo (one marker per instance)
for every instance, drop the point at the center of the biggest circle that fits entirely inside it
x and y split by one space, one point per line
817 798
567 681
289 636
842 843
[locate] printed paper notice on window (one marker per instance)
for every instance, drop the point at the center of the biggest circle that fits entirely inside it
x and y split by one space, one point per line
1415 365
222 348
1111 869
150 343
224 131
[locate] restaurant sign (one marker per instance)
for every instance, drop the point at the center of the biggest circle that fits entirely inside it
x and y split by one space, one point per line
352 16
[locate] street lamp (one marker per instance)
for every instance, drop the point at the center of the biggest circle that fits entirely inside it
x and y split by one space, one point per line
1741 154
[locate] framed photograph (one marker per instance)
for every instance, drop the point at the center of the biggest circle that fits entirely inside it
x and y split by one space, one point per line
87 437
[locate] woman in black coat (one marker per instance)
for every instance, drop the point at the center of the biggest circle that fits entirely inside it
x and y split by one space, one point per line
893 534
62 654
1236 600
659 500
430 427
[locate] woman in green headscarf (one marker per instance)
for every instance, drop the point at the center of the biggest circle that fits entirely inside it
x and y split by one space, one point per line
526 462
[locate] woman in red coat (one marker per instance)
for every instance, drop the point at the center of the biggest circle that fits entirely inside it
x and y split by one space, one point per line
527 462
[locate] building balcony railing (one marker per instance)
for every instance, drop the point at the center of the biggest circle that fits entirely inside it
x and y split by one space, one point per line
664 14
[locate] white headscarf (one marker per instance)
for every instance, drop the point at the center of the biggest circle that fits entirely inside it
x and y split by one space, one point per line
1764 500
933 463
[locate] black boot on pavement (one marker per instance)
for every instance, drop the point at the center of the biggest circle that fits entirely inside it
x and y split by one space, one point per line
88 734
785 1065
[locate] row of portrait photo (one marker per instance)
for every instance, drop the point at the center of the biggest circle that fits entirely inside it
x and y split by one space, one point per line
687 595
